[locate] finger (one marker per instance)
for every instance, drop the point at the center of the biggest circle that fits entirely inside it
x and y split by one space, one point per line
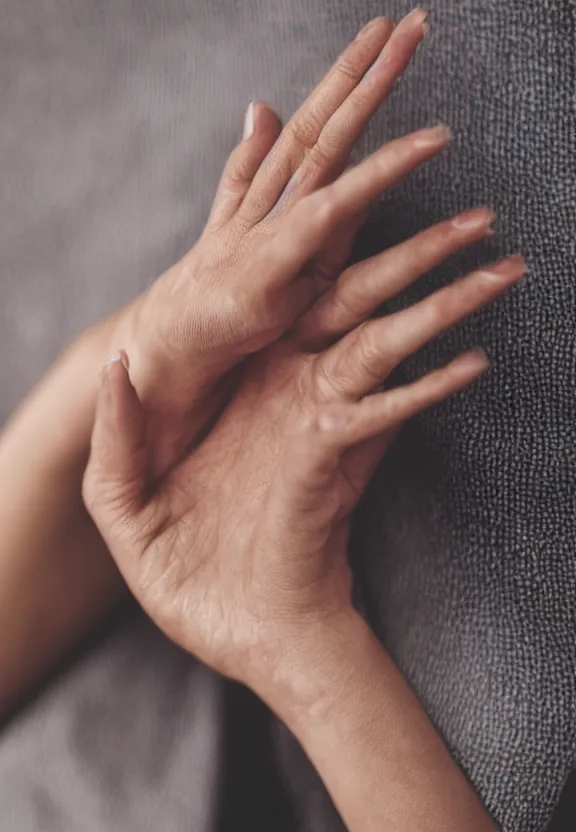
303 129
262 127
115 477
346 125
309 224
366 356
351 424
329 263
363 287
303 501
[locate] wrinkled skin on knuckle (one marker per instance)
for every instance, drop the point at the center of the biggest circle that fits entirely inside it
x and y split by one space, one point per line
322 155
304 129
351 64
329 382
348 301
368 352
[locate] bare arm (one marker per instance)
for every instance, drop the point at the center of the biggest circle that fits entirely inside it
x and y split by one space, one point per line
370 740
56 577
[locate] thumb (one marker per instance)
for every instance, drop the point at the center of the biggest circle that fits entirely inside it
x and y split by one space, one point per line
115 477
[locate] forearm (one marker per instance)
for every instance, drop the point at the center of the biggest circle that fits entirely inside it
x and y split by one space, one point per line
56 577
370 740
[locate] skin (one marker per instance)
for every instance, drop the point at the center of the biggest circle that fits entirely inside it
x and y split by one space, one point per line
224 298
238 549
233 292
240 553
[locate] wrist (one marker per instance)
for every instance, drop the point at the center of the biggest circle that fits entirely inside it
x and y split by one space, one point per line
315 675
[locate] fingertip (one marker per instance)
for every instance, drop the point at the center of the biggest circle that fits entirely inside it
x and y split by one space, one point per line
260 119
116 367
472 363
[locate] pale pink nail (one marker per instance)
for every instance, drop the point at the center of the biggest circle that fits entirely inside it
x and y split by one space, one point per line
120 356
416 16
511 268
473 361
434 136
474 219
248 122
113 359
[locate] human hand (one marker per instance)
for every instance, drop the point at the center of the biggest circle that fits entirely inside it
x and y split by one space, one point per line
251 273
241 551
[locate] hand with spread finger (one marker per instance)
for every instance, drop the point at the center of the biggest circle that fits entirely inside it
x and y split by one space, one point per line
240 553
275 240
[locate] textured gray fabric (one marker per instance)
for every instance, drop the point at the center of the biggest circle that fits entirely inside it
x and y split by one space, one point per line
116 117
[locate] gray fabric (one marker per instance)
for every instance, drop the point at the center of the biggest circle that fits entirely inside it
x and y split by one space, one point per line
116 117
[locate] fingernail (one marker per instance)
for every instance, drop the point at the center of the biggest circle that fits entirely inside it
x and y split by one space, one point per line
511 268
433 136
113 360
417 16
476 218
474 361
248 122
120 356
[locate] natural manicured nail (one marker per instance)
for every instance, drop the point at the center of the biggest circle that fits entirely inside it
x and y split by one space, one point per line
475 219
473 361
113 359
511 268
417 17
433 136
119 356
249 122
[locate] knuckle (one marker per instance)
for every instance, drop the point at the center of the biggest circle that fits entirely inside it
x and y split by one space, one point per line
322 154
349 302
368 351
323 210
316 212
234 181
304 130
351 64
310 423
328 383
